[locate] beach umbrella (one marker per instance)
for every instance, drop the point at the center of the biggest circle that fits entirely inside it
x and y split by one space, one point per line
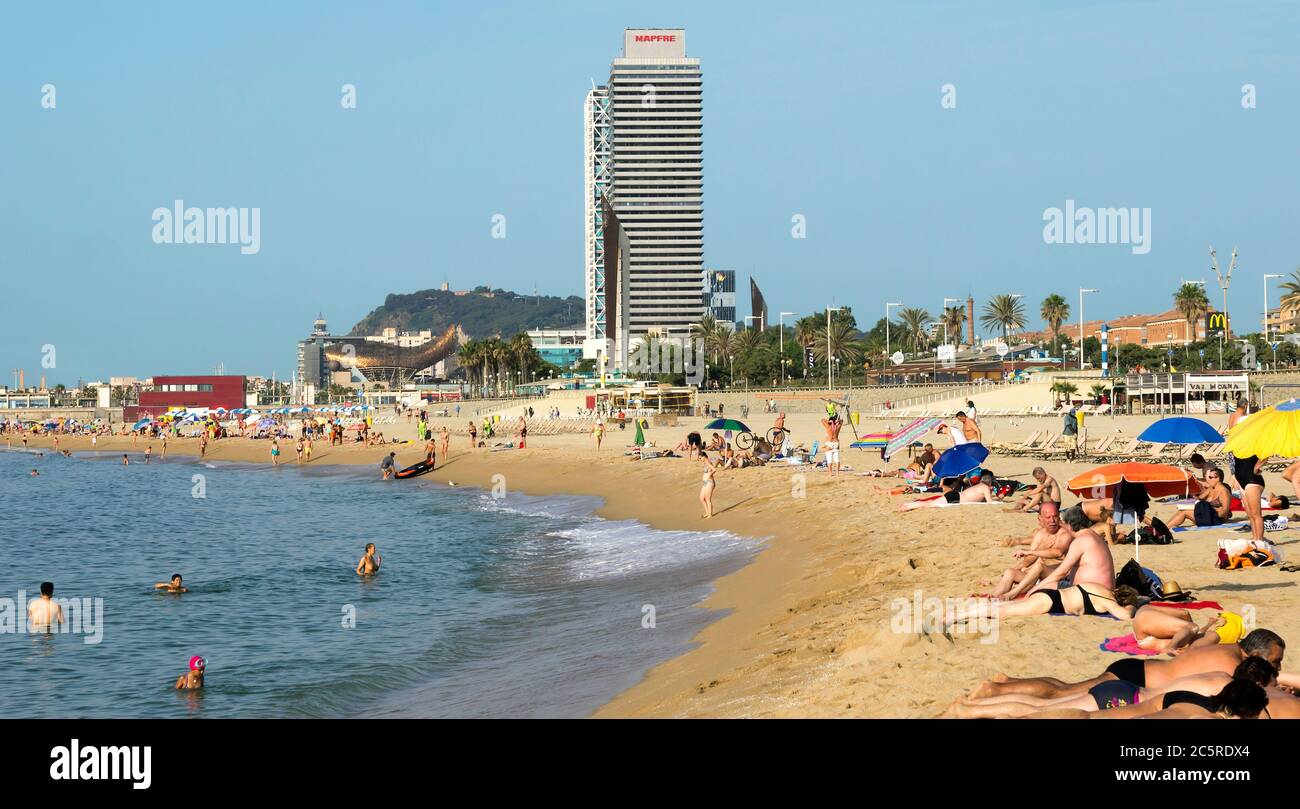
872 441
727 424
141 423
960 459
1181 430
1272 431
1161 480
640 436
905 436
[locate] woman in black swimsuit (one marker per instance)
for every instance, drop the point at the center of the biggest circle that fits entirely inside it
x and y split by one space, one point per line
1078 600
1239 699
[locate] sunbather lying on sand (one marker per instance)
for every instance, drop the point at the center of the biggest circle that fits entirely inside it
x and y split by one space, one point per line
1151 673
952 493
1077 600
1170 629
1117 699
1113 699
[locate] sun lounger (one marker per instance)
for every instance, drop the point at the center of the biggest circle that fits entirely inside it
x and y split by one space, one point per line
1017 449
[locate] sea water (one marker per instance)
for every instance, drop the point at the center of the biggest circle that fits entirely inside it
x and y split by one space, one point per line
513 606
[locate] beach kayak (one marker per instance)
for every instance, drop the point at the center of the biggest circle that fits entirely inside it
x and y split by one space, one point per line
415 470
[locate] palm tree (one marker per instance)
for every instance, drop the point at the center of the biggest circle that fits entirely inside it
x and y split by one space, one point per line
471 357
842 342
1192 304
1097 391
915 324
523 354
1054 311
953 319
807 328
1291 289
1004 312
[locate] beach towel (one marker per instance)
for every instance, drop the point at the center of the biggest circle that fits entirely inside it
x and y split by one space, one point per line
1190 605
1125 645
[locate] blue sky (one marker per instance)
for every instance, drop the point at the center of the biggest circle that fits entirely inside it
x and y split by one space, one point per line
829 110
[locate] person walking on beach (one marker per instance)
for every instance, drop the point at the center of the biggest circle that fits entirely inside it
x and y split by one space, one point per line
473 435
386 466
1071 432
148 452
306 451
430 453
46 612
599 432
523 432
710 483
192 679
833 426
444 439
275 451
297 451
370 561
203 445
163 455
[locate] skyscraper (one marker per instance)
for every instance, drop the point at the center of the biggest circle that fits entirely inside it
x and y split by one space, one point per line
644 152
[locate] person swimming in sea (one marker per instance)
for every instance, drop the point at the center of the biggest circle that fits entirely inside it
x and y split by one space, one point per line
192 679
370 562
173 586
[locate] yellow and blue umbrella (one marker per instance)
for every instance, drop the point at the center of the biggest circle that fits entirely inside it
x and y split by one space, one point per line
1272 431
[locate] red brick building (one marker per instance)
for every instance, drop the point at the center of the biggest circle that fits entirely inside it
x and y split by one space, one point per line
170 392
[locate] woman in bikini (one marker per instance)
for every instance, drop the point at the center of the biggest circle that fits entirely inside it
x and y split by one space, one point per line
1077 600
706 491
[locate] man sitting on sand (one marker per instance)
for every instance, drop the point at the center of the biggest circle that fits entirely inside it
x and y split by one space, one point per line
1047 546
173 586
193 679
1088 561
1046 490
1213 504
1098 515
1148 672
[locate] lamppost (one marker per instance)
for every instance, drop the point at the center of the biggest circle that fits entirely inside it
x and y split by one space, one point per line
1224 281
887 360
781 350
830 379
1266 337
1082 290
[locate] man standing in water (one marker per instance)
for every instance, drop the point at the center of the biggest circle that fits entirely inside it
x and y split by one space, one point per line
370 562
386 466
833 426
45 613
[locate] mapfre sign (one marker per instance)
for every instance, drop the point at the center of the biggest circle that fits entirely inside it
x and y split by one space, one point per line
654 43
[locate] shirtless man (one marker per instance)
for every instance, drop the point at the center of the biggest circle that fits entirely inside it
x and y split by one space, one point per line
173 586
1047 546
970 431
1218 503
779 424
192 679
832 445
1148 672
1088 561
430 453
977 492
46 612
1046 491
370 562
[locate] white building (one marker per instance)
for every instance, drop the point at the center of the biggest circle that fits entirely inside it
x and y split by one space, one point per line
644 153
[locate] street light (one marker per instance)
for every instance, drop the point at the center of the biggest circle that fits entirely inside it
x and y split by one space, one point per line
887 360
1266 337
759 318
830 379
1081 293
781 352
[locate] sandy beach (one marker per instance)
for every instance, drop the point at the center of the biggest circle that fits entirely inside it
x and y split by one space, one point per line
812 627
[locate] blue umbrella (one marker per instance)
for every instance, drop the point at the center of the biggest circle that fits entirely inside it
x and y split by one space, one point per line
1181 430
960 459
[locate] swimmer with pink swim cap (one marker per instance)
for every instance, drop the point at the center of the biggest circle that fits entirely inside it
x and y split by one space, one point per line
192 679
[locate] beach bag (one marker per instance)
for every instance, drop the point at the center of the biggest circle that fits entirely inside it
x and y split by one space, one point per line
1155 534
1145 581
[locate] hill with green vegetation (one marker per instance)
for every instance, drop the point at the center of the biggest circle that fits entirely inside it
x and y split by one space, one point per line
481 313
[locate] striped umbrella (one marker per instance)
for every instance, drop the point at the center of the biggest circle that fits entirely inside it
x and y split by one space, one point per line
872 441
912 432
